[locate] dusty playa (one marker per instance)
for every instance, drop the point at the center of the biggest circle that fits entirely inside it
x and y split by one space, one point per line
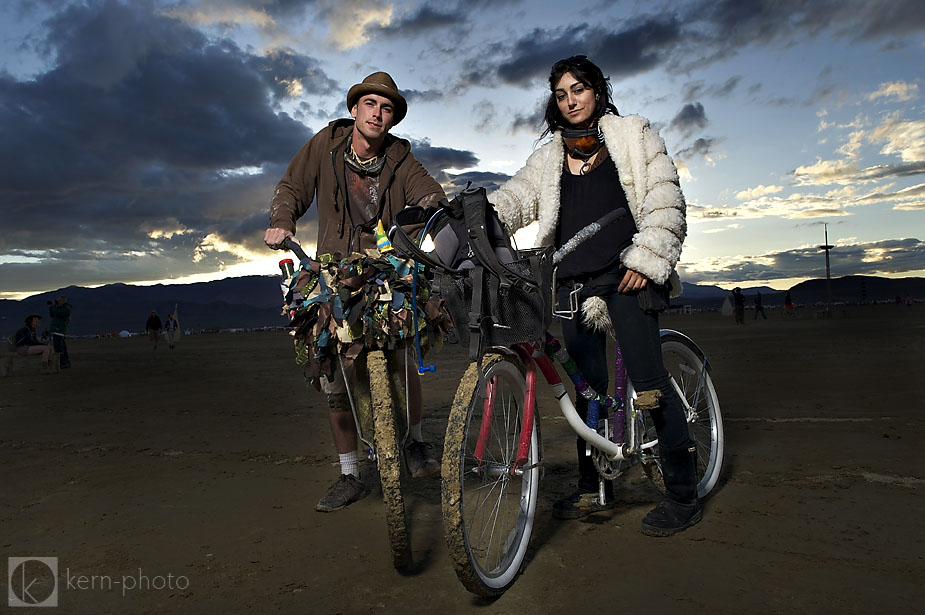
187 478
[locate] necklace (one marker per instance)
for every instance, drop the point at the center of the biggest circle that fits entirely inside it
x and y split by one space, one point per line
368 166
367 162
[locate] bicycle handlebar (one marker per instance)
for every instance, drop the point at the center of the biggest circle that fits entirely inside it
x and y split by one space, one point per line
295 248
587 233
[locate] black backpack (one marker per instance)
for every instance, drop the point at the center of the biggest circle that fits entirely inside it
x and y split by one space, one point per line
495 294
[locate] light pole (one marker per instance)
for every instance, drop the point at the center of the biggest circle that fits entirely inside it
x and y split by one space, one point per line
828 272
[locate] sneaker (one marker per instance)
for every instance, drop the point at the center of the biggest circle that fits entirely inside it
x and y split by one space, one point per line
347 490
420 461
580 504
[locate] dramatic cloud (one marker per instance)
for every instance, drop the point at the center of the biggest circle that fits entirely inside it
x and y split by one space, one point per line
694 35
702 148
454 183
438 159
838 202
638 46
698 89
689 119
533 123
412 96
144 139
424 19
904 138
757 191
871 258
350 24
824 172
899 90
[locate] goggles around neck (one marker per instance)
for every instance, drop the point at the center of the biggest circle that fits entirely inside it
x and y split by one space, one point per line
583 143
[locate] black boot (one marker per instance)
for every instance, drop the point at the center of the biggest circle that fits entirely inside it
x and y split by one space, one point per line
681 507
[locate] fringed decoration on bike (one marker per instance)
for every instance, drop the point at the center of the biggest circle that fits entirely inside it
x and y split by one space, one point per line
360 302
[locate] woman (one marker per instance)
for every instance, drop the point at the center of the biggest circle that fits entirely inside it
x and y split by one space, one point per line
597 161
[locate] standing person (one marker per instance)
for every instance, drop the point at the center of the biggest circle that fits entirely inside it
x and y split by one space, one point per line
60 311
153 328
358 174
172 330
27 342
788 301
596 161
759 306
738 301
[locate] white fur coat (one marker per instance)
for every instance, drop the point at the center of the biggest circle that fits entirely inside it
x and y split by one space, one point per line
649 179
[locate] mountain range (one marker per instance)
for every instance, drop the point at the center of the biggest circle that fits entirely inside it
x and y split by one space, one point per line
255 301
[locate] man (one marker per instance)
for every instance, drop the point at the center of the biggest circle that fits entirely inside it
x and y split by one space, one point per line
738 301
60 311
759 306
153 328
358 174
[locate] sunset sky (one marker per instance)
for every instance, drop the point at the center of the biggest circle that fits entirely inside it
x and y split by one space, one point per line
141 141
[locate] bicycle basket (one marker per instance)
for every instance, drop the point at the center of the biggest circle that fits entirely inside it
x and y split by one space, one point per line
504 313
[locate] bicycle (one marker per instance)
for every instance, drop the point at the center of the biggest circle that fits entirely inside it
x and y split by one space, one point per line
376 392
492 460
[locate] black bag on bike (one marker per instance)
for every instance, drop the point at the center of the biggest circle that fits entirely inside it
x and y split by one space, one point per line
495 294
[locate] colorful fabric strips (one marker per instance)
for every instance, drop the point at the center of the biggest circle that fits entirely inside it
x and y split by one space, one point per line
362 301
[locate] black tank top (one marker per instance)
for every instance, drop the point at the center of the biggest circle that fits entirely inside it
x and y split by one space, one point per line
583 200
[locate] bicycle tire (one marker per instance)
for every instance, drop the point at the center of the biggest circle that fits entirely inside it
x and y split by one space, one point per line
388 456
684 362
486 497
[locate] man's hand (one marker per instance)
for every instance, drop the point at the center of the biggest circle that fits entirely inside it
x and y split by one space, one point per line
632 281
274 237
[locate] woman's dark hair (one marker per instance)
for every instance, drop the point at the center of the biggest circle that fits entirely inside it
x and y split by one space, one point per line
30 317
588 73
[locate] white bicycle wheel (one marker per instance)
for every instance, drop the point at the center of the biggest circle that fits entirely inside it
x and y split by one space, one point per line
488 504
690 375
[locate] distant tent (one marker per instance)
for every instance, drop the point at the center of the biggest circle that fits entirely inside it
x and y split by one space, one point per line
124 334
727 307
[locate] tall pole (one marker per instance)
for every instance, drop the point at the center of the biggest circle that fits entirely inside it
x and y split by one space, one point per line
828 272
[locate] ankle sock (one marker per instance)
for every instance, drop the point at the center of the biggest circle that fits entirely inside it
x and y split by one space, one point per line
349 463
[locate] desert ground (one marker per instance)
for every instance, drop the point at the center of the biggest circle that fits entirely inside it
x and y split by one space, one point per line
184 481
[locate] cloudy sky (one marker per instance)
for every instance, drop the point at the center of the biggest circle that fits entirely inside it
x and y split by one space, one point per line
141 141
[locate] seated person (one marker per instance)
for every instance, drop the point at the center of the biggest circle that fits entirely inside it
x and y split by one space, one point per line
27 343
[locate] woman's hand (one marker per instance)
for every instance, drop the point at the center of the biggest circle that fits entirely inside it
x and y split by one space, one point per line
632 281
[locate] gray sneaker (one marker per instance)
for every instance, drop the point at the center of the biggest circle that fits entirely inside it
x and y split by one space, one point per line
347 490
420 461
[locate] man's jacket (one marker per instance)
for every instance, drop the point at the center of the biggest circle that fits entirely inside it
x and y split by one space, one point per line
317 172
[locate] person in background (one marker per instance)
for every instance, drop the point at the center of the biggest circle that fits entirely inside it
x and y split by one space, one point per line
60 311
759 306
27 342
172 330
153 328
738 302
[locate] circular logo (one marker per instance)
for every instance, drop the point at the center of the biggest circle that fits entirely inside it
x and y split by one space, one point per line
33 581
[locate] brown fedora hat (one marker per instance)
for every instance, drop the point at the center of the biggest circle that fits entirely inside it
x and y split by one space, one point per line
382 84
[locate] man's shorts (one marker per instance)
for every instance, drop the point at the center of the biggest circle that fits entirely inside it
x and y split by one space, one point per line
335 384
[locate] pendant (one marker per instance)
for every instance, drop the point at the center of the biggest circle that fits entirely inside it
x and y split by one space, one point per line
585 168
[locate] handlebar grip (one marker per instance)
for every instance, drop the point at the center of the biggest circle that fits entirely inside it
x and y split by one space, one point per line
296 249
611 216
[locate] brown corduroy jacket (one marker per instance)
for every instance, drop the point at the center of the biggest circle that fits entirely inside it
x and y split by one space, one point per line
317 173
